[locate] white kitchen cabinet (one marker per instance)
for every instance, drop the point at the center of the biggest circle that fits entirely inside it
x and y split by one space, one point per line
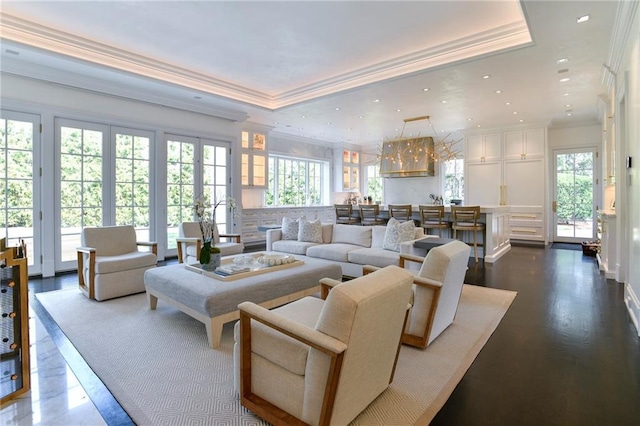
254 159
254 218
350 170
607 235
483 183
483 148
524 144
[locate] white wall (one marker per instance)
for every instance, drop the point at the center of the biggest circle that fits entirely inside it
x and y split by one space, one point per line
628 180
412 190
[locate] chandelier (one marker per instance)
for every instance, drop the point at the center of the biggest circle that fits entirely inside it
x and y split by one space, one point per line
415 156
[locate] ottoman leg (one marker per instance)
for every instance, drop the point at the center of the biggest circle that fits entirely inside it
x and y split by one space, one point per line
214 332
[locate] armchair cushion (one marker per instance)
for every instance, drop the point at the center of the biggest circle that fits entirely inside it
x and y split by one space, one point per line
118 239
124 262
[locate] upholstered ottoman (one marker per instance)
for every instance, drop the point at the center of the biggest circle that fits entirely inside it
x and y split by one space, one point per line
215 302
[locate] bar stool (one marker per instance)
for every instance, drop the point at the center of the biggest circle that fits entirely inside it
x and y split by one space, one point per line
432 217
343 214
465 218
400 211
369 215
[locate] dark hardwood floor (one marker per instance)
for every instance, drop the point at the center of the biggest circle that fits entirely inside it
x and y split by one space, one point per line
566 352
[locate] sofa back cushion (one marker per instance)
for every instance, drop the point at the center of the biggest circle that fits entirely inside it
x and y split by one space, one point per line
290 228
351 234
327 232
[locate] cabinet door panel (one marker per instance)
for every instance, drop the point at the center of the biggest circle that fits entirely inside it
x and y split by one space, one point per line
493 146
474 148
513 144
482 184
534 143
525 182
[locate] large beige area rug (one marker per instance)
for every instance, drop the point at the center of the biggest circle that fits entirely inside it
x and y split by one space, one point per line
160 368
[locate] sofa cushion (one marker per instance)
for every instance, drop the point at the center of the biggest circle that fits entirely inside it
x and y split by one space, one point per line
397 233
377 235
110 240
293 247
350 234
327 232
374 256
290 228
338 252
310 231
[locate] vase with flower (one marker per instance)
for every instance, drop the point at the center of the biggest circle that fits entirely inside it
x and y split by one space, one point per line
209 256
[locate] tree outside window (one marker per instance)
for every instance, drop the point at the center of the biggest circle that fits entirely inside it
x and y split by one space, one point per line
374 183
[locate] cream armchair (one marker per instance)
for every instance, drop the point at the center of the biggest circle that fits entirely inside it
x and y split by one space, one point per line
110 264
436 291
322 362
190 242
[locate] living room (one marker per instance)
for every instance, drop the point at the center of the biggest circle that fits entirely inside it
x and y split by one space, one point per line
83 101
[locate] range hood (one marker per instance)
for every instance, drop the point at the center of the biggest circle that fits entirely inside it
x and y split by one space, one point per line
407 157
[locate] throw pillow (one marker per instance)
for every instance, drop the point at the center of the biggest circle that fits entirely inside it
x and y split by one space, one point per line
397 233
310 232
289 228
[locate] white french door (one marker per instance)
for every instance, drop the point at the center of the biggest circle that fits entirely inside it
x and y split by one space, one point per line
104 178
575 200
195 167
20 184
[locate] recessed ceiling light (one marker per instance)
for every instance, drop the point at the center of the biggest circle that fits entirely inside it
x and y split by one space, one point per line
426 89
498 91
398 110
361 116
564 80
444 102
562 61
478 126
469 119
328 123
486 76
521 120
568 106
566 94
304 116
376 100
507 103
583 18
569 114
515 112
337 108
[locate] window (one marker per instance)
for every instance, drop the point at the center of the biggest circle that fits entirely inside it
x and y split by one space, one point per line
374 183
454 180
295 182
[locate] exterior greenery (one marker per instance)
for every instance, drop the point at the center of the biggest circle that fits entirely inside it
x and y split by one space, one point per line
294 182
575 187
374 183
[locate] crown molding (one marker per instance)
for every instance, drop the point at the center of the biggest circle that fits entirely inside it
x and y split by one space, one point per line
623 23
28 33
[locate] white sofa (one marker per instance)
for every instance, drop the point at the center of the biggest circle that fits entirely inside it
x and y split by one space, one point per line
350 246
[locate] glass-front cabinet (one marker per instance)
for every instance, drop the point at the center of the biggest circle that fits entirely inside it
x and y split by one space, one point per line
254 159
350 170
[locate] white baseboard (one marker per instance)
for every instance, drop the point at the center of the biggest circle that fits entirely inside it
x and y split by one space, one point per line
633 305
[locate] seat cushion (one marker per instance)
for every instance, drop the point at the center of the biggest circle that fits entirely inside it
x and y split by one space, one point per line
273 345
124 262
336 252
293 247
374 256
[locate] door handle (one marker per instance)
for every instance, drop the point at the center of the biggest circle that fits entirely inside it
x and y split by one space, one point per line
555 206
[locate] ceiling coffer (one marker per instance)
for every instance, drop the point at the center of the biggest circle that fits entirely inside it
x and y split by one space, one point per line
408 157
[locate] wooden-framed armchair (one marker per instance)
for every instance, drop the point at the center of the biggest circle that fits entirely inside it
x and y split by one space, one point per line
436 291
190 242
322 362
110 263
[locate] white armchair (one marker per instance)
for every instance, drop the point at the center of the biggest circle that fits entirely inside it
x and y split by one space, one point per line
110 263
436 291
322 362
190 242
